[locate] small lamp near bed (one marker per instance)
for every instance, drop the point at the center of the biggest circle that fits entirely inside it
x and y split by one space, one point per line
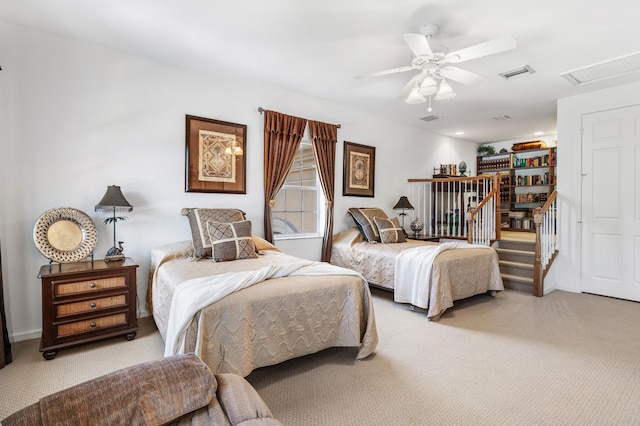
403 204
112 202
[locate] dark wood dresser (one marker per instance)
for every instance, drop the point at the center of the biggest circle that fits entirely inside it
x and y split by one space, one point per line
87 301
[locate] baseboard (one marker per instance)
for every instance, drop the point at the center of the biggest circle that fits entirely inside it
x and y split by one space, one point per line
20 337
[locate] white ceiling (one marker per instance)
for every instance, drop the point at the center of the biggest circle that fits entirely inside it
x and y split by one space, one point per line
318 47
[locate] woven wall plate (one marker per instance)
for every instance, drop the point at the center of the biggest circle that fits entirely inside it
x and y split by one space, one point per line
65 235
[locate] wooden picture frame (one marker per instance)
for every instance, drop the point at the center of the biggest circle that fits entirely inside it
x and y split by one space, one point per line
358 178
215 156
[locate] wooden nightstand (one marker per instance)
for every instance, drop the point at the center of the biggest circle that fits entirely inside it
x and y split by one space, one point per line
422 237
87 301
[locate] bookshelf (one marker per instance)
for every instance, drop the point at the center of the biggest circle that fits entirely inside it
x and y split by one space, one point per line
527 177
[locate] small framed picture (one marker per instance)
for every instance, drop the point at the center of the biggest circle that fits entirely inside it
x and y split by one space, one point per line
359 170
215 156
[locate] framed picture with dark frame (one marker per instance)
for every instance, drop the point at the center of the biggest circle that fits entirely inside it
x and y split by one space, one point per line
358 177
215 156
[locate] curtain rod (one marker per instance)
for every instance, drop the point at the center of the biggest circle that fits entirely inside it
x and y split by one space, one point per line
261 110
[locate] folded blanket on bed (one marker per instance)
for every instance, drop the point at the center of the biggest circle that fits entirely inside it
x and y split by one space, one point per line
413 273
193 295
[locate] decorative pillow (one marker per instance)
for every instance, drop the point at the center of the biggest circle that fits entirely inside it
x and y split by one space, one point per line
389 230
363 218
262 244
231 241
198 219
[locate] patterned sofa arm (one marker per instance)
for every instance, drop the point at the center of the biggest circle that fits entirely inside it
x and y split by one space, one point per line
173 390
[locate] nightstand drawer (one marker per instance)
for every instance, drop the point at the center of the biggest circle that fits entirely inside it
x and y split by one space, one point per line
91 305
91 325
89 285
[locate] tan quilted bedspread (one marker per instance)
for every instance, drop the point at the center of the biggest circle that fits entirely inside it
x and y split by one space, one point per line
456 274
269 322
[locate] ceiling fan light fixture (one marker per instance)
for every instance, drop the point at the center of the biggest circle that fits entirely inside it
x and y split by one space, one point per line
415 97
445 91
428 87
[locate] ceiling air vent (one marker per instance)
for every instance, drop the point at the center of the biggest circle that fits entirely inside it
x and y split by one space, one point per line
617 67
518 71
431 118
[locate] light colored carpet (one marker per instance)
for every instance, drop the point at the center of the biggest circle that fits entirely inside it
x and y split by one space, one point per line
569 359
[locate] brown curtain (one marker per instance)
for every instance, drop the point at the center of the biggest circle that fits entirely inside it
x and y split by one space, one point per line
5 346
325 139
282 136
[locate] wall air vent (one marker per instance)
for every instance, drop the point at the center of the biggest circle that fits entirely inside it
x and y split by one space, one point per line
617 67
431 118
518 71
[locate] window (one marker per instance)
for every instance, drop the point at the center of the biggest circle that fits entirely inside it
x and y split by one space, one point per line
299 209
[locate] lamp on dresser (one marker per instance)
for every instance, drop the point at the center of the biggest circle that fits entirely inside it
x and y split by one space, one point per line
113 202
403 204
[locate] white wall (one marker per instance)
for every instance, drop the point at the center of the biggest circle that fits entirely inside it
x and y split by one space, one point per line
570 112
77 118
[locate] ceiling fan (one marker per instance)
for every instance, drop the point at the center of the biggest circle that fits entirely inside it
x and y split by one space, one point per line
433 60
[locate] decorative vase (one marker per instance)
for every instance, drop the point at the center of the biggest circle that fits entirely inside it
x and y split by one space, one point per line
462 168
417 226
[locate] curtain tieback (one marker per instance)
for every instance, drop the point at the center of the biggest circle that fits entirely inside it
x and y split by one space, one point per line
272 203
329 204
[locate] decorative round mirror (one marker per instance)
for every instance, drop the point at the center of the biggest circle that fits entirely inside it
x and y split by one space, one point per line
65 235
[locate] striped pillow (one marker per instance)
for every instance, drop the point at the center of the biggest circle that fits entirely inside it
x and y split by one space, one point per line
198 219
363 217
231 241
389 230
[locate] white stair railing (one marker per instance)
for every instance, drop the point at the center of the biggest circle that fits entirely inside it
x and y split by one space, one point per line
444 206
483 221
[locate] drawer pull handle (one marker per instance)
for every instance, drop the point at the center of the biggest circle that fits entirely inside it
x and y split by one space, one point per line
93 324
92 304
92 285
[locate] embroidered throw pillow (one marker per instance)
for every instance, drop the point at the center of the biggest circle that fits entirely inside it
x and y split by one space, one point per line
364 219
231 241
197 221
389 230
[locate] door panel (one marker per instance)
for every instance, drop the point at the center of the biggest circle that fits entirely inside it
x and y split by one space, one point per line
611 203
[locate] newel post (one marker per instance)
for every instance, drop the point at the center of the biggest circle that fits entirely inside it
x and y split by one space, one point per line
538 284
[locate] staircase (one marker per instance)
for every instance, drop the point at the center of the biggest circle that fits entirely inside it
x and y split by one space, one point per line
516 259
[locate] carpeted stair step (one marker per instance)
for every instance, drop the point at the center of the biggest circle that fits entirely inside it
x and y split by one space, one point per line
517 245
515 282
512 255
519 269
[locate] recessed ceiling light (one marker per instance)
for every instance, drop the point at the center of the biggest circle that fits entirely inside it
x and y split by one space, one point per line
538 134
459 133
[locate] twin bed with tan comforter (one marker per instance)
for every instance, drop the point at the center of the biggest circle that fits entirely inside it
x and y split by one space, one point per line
266 323
456 270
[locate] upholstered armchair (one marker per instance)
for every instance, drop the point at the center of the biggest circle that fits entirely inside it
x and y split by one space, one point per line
178 390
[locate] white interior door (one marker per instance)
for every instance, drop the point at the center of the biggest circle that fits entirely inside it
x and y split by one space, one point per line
611 203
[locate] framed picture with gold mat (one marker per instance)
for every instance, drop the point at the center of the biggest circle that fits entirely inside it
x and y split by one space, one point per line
215 156
359 170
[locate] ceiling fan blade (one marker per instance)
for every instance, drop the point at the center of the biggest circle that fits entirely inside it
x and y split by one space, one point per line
418 45
487 48
416 79
460 75
385 72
